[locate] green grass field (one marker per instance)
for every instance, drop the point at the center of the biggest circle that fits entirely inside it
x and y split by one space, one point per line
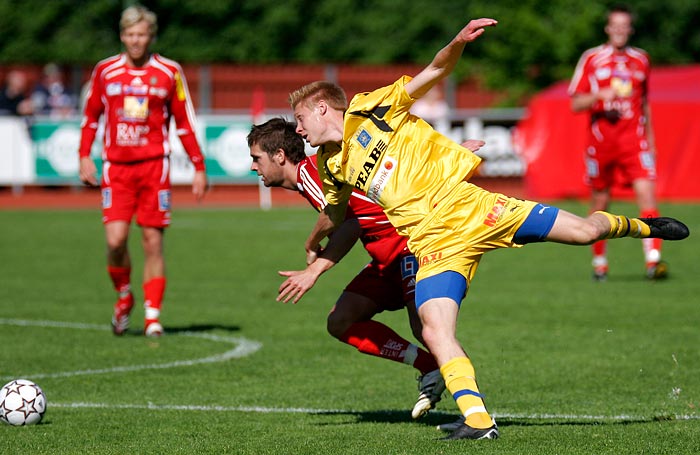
568 366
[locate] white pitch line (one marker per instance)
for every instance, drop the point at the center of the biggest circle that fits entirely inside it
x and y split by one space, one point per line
268 410
174 407
243 347
246 347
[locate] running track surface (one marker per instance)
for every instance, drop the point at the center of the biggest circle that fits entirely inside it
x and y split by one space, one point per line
219 196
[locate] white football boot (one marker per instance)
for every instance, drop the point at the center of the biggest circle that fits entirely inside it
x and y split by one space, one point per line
430 387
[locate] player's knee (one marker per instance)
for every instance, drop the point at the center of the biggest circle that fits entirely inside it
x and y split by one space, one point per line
591 230
116 246
586 234
336 325
431 336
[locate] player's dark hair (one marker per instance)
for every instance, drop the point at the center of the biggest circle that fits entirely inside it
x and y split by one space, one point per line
276 134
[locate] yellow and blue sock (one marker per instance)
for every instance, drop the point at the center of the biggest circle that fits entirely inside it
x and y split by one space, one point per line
621 226
460 380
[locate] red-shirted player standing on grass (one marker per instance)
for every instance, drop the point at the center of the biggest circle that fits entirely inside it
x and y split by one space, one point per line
139 93
611 82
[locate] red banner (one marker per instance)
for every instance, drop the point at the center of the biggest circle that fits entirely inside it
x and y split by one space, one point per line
552 139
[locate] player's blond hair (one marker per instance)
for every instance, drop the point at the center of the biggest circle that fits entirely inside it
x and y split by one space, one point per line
311 93
137 13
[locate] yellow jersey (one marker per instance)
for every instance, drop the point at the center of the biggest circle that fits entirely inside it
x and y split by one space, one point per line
397 159
419 177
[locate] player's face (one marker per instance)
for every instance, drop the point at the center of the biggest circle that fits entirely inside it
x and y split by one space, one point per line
310 123
267 168
619 29
137 40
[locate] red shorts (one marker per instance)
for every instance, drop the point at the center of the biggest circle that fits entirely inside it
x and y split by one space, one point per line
141 188
391 288
621 160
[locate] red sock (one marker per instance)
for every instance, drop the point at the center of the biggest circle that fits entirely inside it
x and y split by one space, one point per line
600 248
425 362
121 279
649 245
651 213
153 291
375 338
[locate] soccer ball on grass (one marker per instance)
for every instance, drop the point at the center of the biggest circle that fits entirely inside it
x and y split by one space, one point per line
22 403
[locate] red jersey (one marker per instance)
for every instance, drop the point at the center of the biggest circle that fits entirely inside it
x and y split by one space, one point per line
138 104
627 71
378 236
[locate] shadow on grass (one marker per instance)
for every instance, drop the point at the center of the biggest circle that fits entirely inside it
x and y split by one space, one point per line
438 418
202 328
173 330
629 277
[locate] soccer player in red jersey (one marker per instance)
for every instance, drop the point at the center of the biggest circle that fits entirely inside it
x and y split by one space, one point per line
387 283
138 92
611 83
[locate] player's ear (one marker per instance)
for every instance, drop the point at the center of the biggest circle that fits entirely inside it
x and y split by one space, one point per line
322 107
280 156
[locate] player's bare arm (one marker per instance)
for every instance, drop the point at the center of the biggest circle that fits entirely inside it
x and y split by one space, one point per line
88 171
585 101
300 281
199 184
445 60
329 220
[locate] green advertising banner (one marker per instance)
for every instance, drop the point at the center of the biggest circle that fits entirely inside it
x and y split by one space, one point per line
222 138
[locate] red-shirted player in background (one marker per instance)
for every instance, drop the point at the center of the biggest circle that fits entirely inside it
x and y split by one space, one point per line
139 93
386 283
611 82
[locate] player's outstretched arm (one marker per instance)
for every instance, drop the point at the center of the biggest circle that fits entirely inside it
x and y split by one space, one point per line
328 221
445 60
298 282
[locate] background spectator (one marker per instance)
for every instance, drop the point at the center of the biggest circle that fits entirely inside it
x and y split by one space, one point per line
433 108
51 96
13 100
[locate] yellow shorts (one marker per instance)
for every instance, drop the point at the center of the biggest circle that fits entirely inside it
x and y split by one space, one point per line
462 227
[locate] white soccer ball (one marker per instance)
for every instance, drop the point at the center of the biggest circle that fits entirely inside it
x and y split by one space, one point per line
22 403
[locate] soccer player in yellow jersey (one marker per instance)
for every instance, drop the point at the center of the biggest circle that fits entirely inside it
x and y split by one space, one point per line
421 180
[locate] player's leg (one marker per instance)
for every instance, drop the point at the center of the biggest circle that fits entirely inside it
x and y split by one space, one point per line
437 300
153 215
638 166
350 321
574 230
118 205
600 201
119 269
431 384
645 190
555 225
153 279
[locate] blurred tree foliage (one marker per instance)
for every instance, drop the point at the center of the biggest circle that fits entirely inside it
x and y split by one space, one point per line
536 42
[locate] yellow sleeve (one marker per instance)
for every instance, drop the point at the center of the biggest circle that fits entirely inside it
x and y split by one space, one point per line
335 192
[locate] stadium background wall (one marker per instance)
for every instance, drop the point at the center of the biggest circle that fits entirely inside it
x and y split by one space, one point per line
530 151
